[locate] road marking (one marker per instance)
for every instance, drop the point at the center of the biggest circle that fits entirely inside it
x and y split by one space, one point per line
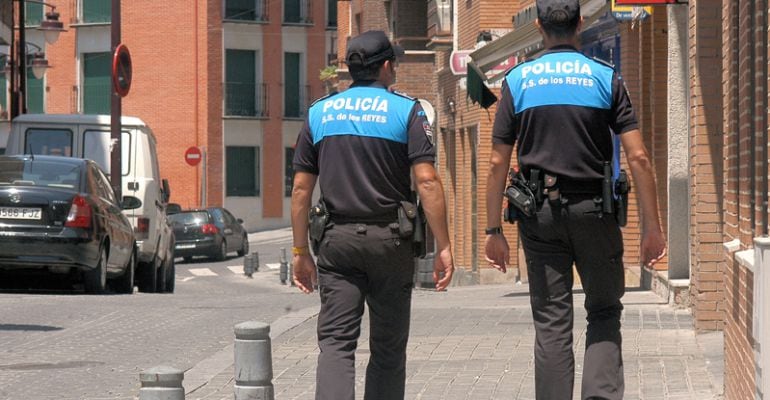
202 272
273 265
187 279
236 269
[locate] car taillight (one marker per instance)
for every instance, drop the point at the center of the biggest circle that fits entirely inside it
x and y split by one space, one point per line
209 229
142 229
80 213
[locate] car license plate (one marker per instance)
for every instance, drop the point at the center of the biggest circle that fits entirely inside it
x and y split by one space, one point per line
185 246
20 213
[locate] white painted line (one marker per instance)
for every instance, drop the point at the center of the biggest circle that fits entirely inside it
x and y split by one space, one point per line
236 269
273 265
202 272
186 279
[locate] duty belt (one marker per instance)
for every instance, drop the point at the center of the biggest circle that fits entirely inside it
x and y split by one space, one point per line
386 218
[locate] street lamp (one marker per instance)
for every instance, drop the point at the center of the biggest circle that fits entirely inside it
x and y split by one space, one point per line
51 28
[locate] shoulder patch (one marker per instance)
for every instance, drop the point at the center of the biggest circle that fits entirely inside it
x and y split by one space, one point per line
323 98
603 62
404 95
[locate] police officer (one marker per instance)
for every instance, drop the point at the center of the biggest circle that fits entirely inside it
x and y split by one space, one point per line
361 144
561 109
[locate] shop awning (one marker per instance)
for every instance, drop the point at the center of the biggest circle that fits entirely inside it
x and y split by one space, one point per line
526 40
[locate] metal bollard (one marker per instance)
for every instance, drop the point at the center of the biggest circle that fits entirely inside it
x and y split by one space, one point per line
253 361
248 265
284 271
161 383
255 260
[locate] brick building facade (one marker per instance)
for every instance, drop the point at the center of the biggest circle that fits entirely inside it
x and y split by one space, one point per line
232 77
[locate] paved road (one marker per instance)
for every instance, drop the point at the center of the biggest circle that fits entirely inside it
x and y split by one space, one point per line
68 345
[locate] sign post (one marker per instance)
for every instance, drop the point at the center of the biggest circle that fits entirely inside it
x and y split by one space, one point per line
115 109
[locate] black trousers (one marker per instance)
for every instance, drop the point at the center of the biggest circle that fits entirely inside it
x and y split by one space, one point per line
360 263
562 233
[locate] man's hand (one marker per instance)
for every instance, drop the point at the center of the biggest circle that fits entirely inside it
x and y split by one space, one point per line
304 272
653 246
443 269
497 251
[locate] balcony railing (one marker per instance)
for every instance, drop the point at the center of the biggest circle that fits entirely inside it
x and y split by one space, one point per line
297 12
295 105
439 17
246 99
249 10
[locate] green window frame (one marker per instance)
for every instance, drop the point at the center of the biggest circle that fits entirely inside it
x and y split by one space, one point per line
240 83
331 21
291 12
3 93
97 83
246 10
292 96
96 11
242 171
35 94
33 14
288 171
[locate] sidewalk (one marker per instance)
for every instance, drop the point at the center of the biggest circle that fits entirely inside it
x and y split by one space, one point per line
477 342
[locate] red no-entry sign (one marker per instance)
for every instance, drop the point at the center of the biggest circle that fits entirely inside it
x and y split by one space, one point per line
193 155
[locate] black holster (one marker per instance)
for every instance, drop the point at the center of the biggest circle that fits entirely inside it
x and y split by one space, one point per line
521 198
318 219
622 187
411 225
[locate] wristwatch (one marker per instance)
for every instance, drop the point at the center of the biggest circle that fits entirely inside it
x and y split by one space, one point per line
494 231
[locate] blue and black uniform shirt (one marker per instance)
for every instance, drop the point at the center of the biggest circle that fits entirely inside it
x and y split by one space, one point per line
561 109
361 143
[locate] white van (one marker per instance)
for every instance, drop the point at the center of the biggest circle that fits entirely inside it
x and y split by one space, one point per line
88 136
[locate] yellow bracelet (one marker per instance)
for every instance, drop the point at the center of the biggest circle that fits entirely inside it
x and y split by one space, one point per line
300 251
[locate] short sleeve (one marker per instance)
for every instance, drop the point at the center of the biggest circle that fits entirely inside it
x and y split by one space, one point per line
623 115
305 153
503 130
420 136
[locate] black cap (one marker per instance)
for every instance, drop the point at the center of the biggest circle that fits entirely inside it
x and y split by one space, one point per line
558 12
371 47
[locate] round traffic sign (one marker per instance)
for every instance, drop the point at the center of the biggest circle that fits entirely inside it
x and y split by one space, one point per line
121 70
193 155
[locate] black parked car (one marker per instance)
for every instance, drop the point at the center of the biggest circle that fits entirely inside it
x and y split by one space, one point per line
60 214
211 232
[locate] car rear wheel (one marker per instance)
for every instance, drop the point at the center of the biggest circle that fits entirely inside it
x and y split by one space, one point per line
222 254
148 279
125 283
244 247
170 276
95 280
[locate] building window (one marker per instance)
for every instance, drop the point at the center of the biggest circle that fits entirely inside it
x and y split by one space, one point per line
288 171
297 12
3 97
246 10
96 11
293 92
96 83
33 14
331 21
244 97
242 171
34 95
